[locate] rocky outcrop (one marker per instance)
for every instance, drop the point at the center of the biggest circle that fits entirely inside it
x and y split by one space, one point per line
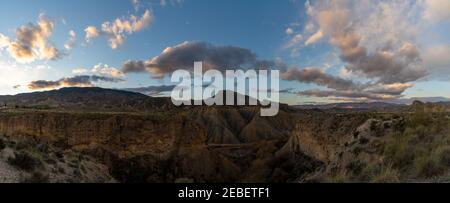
25 159
322 135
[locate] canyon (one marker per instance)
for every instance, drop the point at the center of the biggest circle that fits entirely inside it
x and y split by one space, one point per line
119 136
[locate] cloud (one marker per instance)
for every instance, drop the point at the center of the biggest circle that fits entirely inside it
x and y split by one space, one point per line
152 90
170 2
136 4
296 40
31 42
378 41
338 87
317 76
80 71
104 69
391 58
347 94
289 31
436 10
91 33
437 59
101 69
76 81
134 67
70 43
183 56
389 89
314 38
117 30
4 41
345 73
13 73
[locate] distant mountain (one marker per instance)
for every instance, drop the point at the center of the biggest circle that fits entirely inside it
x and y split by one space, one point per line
91 98
409 101
349 105
376 105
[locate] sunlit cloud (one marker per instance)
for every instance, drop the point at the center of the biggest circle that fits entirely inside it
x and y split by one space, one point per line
117 30
76 81
100 69
32 42
377 41
70 43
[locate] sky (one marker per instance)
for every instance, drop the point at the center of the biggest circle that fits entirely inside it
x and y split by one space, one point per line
326 51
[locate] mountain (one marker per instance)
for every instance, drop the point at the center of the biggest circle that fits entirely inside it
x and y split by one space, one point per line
376 105
91 98
409 101
350 105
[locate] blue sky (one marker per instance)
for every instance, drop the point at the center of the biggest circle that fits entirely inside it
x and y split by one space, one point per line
265 27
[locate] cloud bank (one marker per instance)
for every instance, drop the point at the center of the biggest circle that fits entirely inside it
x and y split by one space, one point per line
183 56
102 70
76 81
378 42
152 90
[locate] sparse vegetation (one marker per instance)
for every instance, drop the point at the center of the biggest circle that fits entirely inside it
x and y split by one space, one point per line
36 177
25 160
184 180
417 150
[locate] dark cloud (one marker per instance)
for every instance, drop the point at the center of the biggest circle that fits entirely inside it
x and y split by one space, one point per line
383 54
184 55
387 66
349 94
152 90
317 76
344 88
390 71
77 81
134 67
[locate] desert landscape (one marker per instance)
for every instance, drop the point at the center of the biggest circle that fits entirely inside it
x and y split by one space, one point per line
73 135
139 91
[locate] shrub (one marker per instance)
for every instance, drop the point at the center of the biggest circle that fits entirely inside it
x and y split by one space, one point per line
25 161
2 144
338 177
387 174
428 167
400 153
356 167
443 156
37 177
184 180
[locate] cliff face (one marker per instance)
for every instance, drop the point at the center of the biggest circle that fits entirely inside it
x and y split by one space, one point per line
123 134
323 135
232 144
203 144
206 144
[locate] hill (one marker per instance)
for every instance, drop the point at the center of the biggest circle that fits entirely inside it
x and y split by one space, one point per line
91 98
